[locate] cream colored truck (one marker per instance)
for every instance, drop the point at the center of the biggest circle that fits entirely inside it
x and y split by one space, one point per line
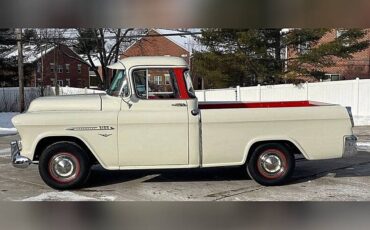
151 119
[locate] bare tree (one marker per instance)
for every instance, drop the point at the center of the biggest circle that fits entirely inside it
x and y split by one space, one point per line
104 45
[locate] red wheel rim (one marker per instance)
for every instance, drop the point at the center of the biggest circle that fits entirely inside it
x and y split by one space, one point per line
64 167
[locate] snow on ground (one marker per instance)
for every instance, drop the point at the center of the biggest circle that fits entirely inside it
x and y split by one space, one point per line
6 126
363 146
67 196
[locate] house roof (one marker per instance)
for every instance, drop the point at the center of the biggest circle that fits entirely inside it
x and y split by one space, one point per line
31 53
187 42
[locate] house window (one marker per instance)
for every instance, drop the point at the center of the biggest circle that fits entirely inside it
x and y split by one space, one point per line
67 68
52 67
304 47
60 83
271 52
68 82
79 66
150 78
158 80
333 77
60 68
167 79
340 32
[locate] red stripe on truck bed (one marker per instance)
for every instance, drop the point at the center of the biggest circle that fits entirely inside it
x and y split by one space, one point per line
275 104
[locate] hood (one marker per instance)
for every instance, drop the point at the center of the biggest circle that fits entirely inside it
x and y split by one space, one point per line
67 103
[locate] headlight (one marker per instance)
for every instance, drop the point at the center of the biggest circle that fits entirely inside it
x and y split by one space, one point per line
349 110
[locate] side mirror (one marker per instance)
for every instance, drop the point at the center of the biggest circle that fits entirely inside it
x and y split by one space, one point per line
125 92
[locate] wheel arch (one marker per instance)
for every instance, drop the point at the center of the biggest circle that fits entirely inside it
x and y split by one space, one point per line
288 142
44 142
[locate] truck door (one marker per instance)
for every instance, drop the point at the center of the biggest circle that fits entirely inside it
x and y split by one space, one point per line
154 130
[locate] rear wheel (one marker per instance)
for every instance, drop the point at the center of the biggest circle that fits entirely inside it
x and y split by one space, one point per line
64 165
271 164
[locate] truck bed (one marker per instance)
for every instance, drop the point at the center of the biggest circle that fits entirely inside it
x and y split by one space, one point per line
274 104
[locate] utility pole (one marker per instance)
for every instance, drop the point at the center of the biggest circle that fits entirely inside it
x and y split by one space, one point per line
56 55
18 32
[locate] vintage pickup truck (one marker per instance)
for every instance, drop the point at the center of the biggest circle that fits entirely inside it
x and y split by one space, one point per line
150 118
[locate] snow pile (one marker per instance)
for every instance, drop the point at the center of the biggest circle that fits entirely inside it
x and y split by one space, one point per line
363 146
6 126
67 196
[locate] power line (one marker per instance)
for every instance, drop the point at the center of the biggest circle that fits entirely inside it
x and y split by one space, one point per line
112 37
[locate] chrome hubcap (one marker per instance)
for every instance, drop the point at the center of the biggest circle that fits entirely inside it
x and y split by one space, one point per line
63 166
271 163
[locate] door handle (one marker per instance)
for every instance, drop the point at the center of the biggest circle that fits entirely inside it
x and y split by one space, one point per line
179 104
195 112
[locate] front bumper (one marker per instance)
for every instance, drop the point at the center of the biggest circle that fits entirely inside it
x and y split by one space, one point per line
17 160
350 146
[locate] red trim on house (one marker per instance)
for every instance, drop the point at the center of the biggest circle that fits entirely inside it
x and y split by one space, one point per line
276 104
179 72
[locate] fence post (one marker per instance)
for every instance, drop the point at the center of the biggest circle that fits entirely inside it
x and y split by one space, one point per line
237 91
307 97
204 95
356 97
259 91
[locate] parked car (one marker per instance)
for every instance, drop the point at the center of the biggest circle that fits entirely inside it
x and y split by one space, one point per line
126 128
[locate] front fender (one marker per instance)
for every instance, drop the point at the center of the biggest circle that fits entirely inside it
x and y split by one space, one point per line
107 161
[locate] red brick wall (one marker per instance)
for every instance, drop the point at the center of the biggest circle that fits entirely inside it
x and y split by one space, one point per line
358 66
64 56
155 46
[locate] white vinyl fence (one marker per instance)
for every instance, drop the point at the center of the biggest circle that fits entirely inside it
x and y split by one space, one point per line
353 93
9 96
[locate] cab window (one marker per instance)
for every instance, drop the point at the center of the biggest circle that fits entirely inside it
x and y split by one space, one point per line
155 83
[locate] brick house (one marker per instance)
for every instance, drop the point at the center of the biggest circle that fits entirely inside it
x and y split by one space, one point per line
358 66
95 81
345 69
53 63
157 44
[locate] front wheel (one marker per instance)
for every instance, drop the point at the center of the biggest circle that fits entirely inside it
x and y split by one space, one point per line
64 165
271 164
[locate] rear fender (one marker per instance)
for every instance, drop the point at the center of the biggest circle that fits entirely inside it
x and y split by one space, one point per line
271 139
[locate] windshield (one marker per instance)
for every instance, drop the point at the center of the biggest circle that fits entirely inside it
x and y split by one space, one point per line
118 81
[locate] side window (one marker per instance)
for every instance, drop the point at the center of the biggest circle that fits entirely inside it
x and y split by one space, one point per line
155 83
140 81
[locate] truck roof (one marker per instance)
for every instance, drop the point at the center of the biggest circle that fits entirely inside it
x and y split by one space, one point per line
127 63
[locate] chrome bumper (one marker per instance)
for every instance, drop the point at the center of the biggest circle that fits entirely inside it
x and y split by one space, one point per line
350 146
18 161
